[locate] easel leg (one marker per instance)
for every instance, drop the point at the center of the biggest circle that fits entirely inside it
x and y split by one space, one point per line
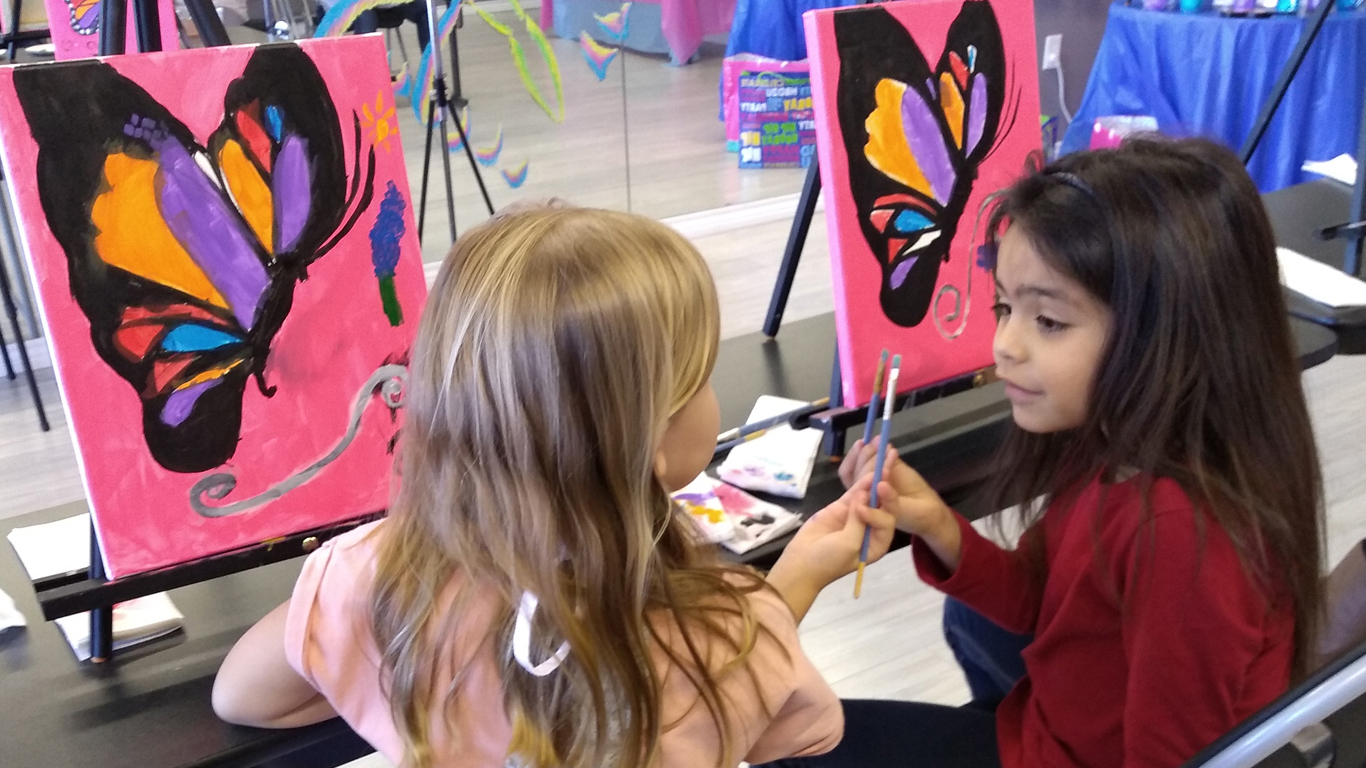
206 21
113 28
426 169
445 151
1283 81
835 438
147 24
469 153
4 351
13 312
457 97
17 7
1351 263
792 254
101 619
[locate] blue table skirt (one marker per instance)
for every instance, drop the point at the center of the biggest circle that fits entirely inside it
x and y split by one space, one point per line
773 28
1203 74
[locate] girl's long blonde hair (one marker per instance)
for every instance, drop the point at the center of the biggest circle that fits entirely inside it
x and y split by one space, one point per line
555 346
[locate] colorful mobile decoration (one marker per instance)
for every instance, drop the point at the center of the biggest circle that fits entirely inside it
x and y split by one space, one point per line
454 143
516 178
488 157
447 23
341 16
403 83
616 23
598 56
386 238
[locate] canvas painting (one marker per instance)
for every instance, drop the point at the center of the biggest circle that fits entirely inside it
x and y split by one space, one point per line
908 152
75 27
223 248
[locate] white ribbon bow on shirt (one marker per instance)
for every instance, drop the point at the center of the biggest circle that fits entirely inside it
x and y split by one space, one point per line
521 640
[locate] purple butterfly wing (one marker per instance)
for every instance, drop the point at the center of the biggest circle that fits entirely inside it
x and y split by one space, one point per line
291 188
928 144
210 230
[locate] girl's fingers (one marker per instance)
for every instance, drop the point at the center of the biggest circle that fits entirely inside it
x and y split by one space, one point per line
852 460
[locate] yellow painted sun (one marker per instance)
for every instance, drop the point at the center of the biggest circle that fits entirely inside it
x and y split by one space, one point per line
379 122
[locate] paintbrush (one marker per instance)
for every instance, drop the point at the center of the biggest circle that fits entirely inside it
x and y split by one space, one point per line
728 439
888 402
872 404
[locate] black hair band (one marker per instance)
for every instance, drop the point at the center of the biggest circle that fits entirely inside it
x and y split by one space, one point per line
1074 181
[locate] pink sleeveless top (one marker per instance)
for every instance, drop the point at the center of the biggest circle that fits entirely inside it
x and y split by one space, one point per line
328 642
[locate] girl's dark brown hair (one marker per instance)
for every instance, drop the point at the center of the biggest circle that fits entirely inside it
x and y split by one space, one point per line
1199 381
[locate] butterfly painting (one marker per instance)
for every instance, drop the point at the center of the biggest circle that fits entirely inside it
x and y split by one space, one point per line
905 147
185 255
915 137
228 275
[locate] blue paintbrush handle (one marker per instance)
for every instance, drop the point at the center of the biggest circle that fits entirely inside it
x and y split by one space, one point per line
884 438
871 420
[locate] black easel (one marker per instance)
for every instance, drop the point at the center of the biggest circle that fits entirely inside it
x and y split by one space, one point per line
792 253
1352 230
439 108
13 312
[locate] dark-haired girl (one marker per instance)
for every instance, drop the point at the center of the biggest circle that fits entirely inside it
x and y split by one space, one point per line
1164 455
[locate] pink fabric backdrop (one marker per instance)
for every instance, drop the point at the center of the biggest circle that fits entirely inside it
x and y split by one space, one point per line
683 22
334 337
862 328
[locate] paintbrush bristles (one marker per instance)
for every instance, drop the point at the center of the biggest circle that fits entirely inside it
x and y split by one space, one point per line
872 403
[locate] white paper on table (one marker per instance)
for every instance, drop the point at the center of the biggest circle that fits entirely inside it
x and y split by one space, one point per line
136 621
9 613
780 462
1318 281
53 548
1342 168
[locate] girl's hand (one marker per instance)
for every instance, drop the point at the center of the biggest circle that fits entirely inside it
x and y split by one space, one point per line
917 507
827 546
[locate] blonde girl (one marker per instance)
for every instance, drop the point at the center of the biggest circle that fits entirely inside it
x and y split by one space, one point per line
533 598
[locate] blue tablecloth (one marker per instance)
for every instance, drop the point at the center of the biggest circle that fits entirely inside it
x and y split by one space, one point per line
1203 74
773 28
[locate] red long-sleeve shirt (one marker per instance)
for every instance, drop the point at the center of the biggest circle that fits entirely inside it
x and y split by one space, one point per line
1150 642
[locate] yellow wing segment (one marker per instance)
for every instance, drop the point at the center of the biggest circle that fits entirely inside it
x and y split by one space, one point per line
887 148
249 191
134 237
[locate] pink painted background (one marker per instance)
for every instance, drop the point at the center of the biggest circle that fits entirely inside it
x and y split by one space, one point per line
861 327
335 336
71 44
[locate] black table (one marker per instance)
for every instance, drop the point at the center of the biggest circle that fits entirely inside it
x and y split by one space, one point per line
149 708
1297 214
